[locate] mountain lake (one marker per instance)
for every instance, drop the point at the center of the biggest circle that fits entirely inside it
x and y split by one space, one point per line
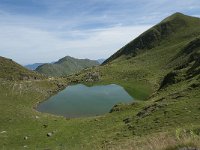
82 101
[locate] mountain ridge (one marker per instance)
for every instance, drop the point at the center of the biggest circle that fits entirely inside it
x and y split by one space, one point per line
33 66
65 66
153 36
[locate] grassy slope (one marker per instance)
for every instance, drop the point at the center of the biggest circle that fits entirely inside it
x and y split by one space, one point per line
19 120
13 71
65 66
177 103
137 126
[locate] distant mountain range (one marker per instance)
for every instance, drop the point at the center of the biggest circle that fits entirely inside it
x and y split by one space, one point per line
101 60
65 66
33 66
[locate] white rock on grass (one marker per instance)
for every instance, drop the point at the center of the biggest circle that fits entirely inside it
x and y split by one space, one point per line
3 131
49 134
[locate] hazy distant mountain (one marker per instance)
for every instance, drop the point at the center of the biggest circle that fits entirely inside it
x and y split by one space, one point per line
65 66
101 60
33 66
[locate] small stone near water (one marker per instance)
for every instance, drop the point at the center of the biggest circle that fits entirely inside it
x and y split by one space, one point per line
26 138
96 119
3 131
49 134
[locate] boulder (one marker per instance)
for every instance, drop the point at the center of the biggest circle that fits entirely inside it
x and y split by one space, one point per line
49 134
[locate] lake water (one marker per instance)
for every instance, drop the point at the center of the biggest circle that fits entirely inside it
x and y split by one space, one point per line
81 101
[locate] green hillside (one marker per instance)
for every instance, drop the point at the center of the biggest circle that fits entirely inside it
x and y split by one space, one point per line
160 69
173 29
66 66
10 70
161 66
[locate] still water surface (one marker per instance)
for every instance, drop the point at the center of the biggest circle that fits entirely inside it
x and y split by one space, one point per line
81 101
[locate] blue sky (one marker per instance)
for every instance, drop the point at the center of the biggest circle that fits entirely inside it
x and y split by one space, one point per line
46 30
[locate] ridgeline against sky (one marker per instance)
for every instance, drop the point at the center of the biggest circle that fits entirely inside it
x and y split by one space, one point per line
46 30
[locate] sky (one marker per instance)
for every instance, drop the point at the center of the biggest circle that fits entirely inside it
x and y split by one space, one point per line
46 30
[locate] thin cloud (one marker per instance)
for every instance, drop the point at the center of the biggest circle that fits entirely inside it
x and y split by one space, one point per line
43 46
45 30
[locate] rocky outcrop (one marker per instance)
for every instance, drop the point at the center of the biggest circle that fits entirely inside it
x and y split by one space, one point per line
92 77
190 65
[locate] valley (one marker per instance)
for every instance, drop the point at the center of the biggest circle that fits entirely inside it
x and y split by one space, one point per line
160 69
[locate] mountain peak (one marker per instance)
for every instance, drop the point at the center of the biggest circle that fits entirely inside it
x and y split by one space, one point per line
66 66
64 59
177 14
174 26
67 57
178 17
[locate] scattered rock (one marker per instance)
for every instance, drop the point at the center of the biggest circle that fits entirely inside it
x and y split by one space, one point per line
188 148
149 109
49 134
25 146
60 85
169 79
3 132
195 85
127 120
156 120
37 117
160 100
118 107
92 77
54 131
45 125
26 138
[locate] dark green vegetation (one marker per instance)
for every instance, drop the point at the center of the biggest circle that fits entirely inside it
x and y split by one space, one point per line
65 66
161 67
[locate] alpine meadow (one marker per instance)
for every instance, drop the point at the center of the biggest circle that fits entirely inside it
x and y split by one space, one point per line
159 70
